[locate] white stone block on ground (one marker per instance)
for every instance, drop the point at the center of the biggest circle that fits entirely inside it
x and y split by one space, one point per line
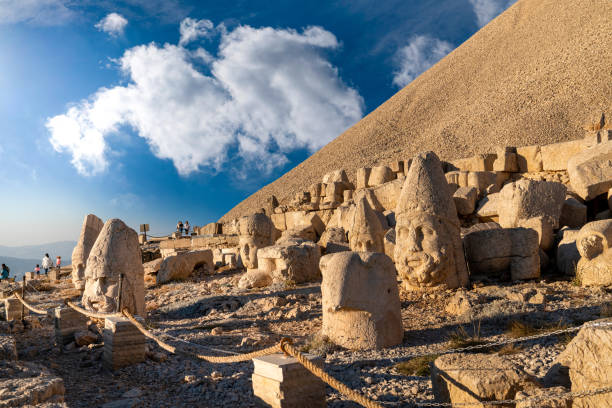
124 344
67 321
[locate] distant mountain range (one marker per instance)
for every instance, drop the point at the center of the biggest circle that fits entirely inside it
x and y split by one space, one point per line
22 259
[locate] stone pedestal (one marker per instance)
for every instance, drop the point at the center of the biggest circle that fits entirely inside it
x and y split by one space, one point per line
53 275
31 276
124 344
67 321
282 382
12 307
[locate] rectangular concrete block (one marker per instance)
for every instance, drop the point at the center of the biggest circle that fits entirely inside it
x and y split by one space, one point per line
53 275
67 321
556 155
124 344
12 308
529 159
282 382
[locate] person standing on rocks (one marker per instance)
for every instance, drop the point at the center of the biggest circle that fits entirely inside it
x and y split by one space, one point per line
186 227
46 263
37 269
179 227
58 263
4 273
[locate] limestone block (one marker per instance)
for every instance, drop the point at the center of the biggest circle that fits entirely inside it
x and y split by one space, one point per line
488 208
116 252
152 267
524 199
230 260
456 179
26 384
593 243
543 227
363 175
529 158
397 167
343 217
360 297
254 278
175 245
181 266
380 175
347 195
465 200
90 230
428 251
279 221
479 227
213 228
67 322
481 180
305 232
472 378
555 156
290 260
506 160
590 171
315 190
385 196
299 219
12 308
334 240
589 359
280 381
124 344
8 347
479 162
336 176
567 251
495 252
593 137
550 396
573 213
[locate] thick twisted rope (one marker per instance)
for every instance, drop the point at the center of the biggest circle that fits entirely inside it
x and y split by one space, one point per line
95 315
211 359
288 348
30 307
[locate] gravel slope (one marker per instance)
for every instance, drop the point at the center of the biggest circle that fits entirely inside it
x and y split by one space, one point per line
534 75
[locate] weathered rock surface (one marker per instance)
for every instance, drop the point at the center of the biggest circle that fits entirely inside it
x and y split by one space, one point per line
8 347
573 213
90 230
334 240
367 232
567 251
116 252
23 383
549 396
360 297
593 243
255 279
380 175
472 378
182 265
589 359
256 231
152 267
526 199
428 251
590 171
290 260
495 252
465 200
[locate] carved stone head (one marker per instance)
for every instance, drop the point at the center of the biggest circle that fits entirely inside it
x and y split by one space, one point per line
593 242
428 251
367 232
92 226
255 232
116 252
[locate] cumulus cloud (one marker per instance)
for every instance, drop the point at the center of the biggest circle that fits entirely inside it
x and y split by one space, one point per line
269 91
417 57
43 12
487 10
192 29
113 24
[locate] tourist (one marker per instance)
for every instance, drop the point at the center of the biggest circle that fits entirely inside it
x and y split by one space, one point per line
186 227
46 263
4 274
37 269
179 227
58 263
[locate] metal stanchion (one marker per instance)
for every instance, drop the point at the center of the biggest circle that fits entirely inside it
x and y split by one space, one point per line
119 295
23 297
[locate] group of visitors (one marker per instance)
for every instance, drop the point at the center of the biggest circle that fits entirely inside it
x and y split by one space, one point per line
47 264
180 227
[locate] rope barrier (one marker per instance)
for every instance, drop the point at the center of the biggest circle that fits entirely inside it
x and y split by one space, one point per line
30 307
95 315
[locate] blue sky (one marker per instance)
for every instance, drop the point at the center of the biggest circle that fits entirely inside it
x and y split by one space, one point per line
154 111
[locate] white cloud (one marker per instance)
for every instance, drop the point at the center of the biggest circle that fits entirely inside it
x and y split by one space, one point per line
269 91
487 10
417 57
126 201
192 29
113 24
43 12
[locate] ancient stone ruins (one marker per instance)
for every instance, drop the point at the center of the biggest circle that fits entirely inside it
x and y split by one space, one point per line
420 256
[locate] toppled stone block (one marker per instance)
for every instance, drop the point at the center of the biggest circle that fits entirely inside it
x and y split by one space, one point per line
589 359
488 208
590 171
478 162
526 199
380 175
495 252
555 156
481 180
337 176
476 378
567 251
152 267
334 240
506 160
456 179
573 213
67 322
27 384
254 278
529 159
543 227
385 196
181 266
465 200
290 260
360 297
593 243
363 175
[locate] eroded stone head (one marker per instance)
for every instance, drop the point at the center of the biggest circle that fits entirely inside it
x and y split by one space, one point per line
593 243
116 252
428 252
256 231
92 226
367 232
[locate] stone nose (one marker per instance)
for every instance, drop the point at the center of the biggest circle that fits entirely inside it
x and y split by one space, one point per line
413 243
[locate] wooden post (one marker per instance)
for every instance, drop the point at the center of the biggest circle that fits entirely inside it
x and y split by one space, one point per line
119 295
23 297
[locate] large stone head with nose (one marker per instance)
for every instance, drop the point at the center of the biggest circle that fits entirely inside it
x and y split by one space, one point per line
367 232
256 231
116 252
428 251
